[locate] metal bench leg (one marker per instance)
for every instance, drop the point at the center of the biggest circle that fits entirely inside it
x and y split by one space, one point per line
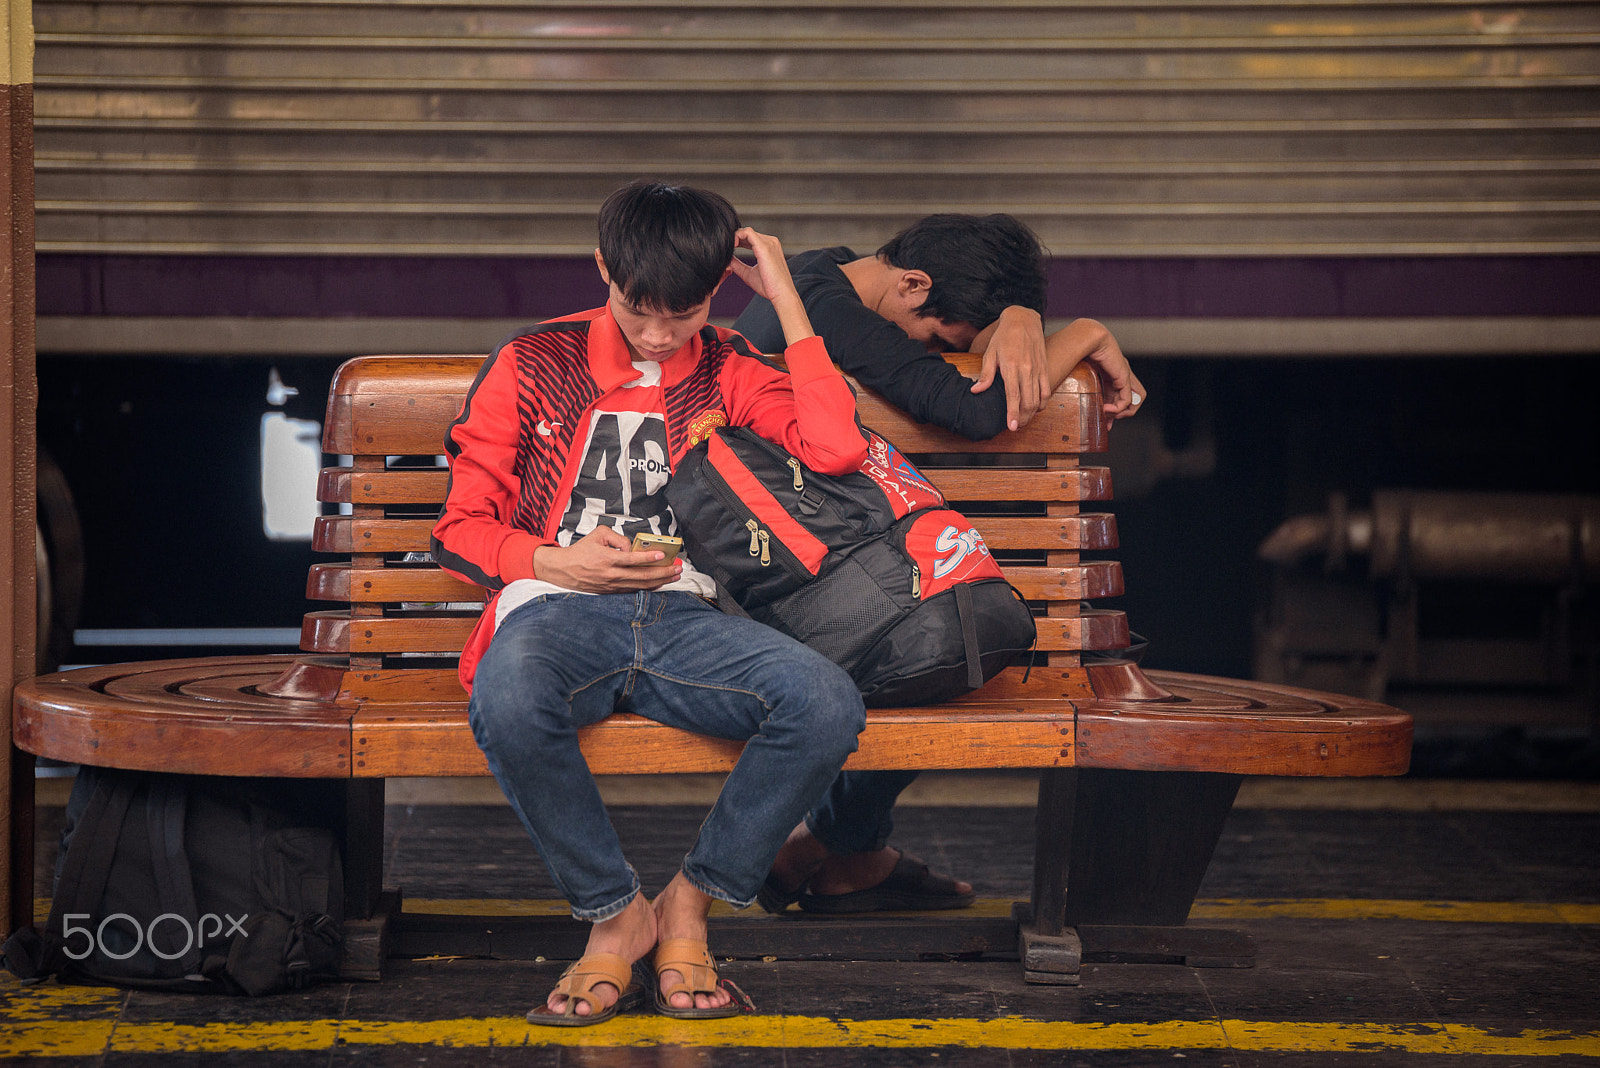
363 846
1141 842
369 912
1050 950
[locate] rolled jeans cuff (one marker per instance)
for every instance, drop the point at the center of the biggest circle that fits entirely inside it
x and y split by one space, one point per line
606 912
712 891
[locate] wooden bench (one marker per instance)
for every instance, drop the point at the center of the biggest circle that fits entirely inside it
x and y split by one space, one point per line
1137 769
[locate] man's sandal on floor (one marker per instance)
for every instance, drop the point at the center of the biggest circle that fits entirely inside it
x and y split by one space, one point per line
691 959
775 898
578 983
910 887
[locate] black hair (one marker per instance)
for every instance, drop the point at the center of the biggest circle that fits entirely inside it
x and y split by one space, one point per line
666 246
980 265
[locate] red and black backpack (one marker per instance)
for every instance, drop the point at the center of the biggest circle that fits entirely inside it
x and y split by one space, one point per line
871 568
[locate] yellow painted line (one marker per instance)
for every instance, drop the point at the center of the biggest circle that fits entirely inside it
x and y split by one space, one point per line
983 908
49 1001
486 906
278 1036
62 1039
1589 914
1238 908
1381 909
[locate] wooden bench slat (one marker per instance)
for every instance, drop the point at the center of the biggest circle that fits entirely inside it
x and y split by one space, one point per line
346 582
342 485
414 426
1100 629
360 585
1087 530
343 582
1071 422
390 425
367 414
1085 581
401 745
1022 484
337 632
1067 533
439 687
360 534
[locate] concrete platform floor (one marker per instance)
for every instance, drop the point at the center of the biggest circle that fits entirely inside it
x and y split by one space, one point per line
1412 923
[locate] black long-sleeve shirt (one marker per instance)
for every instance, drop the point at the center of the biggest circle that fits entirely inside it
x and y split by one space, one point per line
875 351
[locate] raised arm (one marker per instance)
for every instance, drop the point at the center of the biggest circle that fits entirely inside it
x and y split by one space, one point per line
1032 365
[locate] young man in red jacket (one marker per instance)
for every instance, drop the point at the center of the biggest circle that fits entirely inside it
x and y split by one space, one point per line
560 456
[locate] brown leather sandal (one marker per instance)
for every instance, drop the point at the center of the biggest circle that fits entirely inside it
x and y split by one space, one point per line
691 959
910 887
578 983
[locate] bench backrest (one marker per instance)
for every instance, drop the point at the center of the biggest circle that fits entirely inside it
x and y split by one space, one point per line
403 620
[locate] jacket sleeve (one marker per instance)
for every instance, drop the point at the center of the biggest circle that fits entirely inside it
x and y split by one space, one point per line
810 411
473 538
886 361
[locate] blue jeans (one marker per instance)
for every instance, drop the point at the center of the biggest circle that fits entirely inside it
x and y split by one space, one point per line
856 814
565 661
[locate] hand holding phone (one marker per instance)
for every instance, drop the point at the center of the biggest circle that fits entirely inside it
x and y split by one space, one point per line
643 543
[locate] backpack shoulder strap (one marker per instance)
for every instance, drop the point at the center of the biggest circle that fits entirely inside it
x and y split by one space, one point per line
166 816
969 635
87 866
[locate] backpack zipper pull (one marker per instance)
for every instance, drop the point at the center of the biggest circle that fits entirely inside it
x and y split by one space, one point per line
766 549
916 582
799 482
755 534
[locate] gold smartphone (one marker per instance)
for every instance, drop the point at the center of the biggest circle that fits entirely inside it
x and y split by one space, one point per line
643 543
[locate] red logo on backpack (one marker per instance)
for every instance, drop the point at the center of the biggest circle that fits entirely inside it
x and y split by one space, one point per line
899 479
947 549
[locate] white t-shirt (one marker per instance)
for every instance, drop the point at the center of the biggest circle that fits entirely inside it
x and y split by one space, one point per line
621 485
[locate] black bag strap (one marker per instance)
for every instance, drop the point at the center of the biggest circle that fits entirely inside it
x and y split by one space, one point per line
1033 646
87 866
166 816
969 635
726 601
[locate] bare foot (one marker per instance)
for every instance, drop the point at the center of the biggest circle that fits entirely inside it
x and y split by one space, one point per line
680 912
629 934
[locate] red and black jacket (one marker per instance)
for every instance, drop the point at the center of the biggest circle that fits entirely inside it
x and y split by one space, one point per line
517 446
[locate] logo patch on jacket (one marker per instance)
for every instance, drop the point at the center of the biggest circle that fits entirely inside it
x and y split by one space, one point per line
701 426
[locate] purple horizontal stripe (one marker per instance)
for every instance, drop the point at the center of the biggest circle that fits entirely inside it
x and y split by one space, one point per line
537 288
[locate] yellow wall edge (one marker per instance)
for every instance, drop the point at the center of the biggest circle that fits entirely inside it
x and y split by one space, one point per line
18 52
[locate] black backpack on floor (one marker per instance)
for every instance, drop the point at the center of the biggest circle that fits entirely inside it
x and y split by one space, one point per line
194 883
870 568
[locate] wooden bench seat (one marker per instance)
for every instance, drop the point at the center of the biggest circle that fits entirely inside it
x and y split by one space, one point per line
1134 765
236 716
